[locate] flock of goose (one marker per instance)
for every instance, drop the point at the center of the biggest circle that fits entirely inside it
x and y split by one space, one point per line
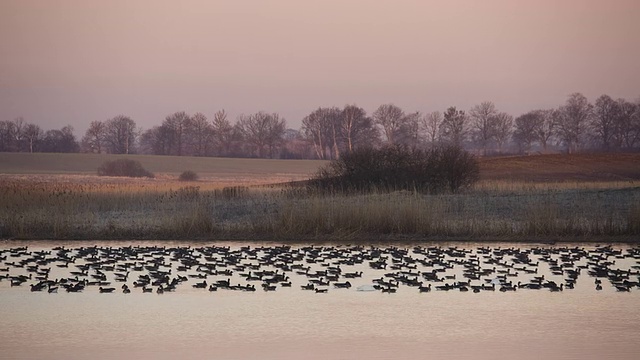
160 269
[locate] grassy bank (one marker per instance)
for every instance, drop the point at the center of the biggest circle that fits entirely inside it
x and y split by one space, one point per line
496 210
539 198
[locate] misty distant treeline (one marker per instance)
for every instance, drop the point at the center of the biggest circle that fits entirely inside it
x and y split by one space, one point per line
576 126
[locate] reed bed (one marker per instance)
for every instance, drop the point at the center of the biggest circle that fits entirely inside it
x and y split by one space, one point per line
33 208
546 214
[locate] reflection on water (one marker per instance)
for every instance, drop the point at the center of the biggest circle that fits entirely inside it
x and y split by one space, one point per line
292 323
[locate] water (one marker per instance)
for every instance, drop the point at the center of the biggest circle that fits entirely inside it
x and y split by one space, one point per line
290 323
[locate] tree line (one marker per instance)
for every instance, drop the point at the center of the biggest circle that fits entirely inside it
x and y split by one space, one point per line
327 132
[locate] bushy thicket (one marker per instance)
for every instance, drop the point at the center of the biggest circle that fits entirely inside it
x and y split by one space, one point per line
123 167
188 176
435 170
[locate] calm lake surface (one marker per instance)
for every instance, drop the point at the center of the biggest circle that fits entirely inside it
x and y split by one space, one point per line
290 323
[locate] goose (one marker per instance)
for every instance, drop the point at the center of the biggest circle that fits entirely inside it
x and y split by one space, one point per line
140 284
445 287
308 287
102 263
491 287
198 276
508 288
121 277
223 283
37 287
106 290
353 275
78 287
622 288
556 288
344 285
201 285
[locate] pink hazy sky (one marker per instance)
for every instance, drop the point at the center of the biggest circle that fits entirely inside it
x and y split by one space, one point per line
72 62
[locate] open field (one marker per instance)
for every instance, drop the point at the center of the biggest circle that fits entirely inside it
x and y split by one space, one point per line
559 167
166 168
599 201
538 168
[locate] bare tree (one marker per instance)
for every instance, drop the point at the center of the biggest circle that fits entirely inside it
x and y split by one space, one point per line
572 121
526 132
222 133
18 134
121 135
60 141
546 128
368 136
94 137
409 133
6 139
535 126
390 118
483 124
200 134
354 123
32 133
320 127
334 116
503 124
177 125
11 134
314 130
603 121
627 124
153 142
263 131
296 146
454 126
431 126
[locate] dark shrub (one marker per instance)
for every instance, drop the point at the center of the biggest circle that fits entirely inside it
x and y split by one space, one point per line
188 176
391 168
123 167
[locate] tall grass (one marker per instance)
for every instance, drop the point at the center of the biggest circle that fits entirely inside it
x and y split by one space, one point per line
158 210
472 215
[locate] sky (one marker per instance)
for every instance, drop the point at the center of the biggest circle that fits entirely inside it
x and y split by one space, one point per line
74 61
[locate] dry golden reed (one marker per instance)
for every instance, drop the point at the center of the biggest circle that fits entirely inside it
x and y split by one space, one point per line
156 209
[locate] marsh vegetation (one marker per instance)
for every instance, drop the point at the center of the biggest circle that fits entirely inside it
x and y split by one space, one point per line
601 200
148 210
